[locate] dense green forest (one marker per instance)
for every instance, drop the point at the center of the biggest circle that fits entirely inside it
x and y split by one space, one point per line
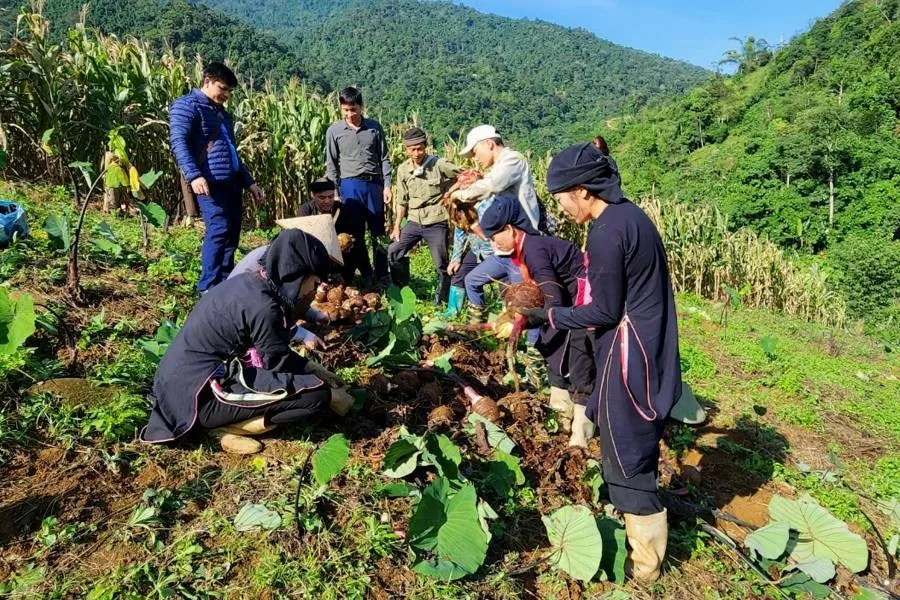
198 29
800 145
455 67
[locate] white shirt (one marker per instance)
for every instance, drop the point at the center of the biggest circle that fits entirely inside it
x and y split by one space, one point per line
510 176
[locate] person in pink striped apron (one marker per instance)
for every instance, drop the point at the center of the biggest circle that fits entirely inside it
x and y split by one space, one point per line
632 311
558 268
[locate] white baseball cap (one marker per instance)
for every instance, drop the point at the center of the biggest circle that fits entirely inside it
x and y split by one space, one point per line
478 134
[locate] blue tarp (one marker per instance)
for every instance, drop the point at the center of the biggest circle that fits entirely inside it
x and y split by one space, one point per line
12 221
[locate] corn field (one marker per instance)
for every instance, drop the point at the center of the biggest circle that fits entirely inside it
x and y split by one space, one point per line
58 102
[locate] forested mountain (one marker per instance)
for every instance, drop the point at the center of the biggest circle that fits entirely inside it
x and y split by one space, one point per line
199 29
455 67
804 148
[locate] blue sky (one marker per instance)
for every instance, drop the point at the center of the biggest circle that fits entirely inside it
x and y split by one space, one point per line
695 31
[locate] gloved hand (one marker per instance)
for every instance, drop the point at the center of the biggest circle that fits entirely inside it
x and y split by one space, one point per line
317 316
308 339
341 401
503 326
534 317
314 368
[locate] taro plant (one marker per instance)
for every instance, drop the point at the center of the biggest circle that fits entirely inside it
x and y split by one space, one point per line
804 542
392 333
16 320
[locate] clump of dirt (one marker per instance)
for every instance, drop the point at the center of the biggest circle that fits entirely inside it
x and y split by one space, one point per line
523 295
407 383
430 394
523 407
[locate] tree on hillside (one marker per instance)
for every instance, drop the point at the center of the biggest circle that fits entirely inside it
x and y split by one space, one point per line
752 54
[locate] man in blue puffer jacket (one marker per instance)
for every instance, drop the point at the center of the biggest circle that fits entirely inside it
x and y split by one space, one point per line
201 135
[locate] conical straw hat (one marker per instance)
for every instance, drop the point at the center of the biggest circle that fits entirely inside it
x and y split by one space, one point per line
320 227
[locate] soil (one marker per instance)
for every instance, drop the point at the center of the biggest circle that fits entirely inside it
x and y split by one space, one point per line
74 391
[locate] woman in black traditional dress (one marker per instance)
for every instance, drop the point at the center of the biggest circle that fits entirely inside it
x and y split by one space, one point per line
631 307
231 370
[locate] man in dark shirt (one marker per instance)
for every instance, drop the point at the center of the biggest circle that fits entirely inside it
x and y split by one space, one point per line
324 201
356 159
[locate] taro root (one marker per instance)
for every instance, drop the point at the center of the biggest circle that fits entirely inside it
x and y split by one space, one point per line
345 241
407 384
351 292
430 394
345 314
336 295
332 310
488 409
381 385
357 304
373 300
322 292
524 295
441 415
347 305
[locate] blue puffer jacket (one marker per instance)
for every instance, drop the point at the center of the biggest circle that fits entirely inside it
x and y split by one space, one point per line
193 120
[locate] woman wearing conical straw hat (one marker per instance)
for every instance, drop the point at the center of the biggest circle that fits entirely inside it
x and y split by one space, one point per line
230 369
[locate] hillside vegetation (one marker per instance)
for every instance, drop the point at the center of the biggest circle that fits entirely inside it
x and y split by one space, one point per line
541 84
804 149
179 25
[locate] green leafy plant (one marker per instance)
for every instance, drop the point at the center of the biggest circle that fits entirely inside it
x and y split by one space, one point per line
811 537
155 348
256 516
59 232
446 532
393 332
330 458
413 451
16 320
576 541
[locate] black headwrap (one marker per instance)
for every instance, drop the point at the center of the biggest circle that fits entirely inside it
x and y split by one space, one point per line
503 211
586 166
322 184
291 256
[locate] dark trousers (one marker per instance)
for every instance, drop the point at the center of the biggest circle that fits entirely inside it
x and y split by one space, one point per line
367 199
570 366
435 237
467 264
221 211
212 412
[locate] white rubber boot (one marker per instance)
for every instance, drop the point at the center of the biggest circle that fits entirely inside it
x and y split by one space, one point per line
582 427
562 405
647 535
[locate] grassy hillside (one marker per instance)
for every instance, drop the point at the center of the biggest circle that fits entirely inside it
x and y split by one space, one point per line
794 409
454 67
804 148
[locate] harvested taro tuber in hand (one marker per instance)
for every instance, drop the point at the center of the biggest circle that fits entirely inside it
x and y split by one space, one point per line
524 295
462 214
336 295
345 241
488 409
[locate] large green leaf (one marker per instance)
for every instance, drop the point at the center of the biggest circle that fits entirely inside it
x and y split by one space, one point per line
821 535
504 473
614 551
115 177
253 516
400 459
330 458
769 541
153 212
446 532
801 583
16 320
57 229
402 302
577 545
443 454
496 437
149 178
819 569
